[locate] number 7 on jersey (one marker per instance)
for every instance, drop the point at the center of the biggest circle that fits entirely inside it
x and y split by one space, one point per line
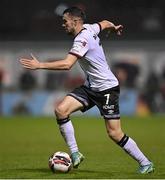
108 96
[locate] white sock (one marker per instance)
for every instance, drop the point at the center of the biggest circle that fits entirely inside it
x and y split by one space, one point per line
132 149
67 132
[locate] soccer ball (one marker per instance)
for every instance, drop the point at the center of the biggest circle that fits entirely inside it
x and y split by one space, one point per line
60 162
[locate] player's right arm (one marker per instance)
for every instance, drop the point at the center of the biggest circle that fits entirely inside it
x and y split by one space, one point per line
78 50
111 27
34 63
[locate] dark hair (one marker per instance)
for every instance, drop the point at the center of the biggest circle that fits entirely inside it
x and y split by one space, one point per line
75 11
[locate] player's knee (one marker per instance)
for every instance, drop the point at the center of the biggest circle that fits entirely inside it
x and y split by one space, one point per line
115 135
61 112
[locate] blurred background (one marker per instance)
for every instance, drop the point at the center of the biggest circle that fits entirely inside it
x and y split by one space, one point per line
137 57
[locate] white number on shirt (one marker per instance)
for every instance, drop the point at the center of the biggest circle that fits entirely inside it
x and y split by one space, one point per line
107 100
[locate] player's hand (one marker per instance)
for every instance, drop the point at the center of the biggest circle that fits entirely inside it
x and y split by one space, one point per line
30 63
119 29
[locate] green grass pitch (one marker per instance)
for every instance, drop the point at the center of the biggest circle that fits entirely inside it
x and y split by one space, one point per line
27 142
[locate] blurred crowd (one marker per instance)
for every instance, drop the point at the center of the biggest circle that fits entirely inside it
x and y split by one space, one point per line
151 96
40 21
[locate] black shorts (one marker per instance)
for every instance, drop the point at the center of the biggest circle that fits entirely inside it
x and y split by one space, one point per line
107 101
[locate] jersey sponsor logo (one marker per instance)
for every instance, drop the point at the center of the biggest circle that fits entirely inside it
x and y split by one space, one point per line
110 107
95 37
83 43
110 111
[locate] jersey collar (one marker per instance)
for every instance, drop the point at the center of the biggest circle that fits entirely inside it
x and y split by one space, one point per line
79 32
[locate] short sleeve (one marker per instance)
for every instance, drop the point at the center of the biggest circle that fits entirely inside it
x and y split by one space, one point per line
96 28
80 47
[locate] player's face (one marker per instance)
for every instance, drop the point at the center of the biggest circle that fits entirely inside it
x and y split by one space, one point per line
68 24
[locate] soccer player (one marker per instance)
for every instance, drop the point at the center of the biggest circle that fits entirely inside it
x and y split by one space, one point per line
101 87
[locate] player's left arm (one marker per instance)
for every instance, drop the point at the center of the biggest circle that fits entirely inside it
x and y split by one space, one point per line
64 64
105 24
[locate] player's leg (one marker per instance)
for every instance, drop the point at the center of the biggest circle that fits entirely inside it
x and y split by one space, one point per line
68 105
62 111
128 144
108 104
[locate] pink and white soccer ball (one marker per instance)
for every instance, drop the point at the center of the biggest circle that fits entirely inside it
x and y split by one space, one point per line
60 162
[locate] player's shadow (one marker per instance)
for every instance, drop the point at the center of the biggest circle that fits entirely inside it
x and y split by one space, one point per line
43 170
81 173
